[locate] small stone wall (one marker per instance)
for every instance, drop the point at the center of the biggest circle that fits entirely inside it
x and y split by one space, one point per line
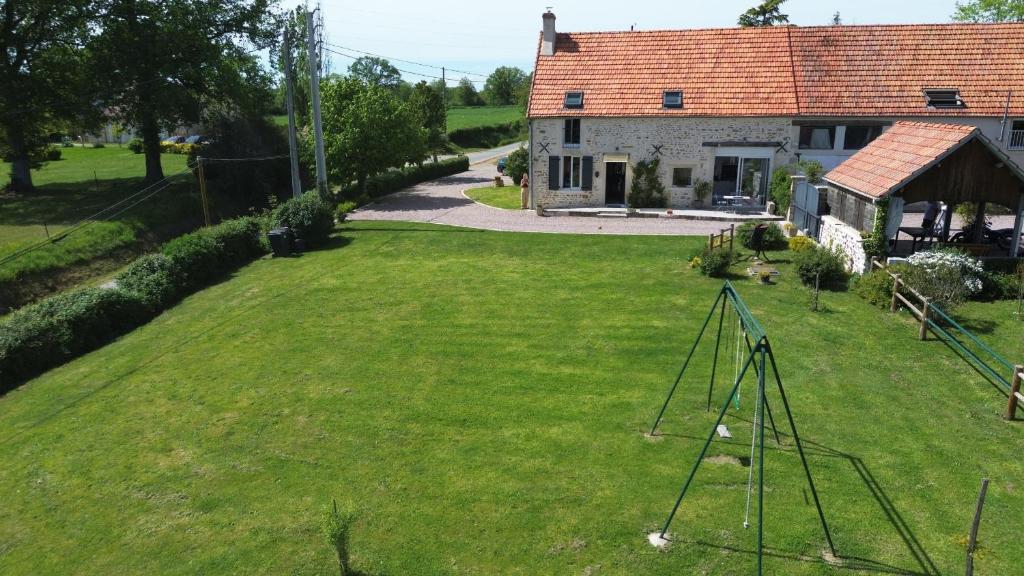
836 233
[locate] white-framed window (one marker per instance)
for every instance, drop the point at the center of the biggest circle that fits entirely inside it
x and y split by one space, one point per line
817 137
571 133
574 99
672 99
682 176
1017 135
572 170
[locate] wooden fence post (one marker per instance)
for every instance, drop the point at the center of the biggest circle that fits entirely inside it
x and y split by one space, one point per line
924 320
895 290
732 233
1011 406
711 242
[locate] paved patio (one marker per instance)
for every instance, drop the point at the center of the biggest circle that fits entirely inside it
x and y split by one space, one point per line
442 202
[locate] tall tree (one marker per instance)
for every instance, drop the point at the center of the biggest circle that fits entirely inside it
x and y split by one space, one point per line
503 85
523 94
162 61
990 11
367 130
375 72
767 13
40 76
426 102
466 94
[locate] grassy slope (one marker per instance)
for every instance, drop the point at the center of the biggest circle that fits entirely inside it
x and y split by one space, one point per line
85 181
482 116
507 197
480 397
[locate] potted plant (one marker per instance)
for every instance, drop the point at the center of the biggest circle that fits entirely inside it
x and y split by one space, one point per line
701 189
765 277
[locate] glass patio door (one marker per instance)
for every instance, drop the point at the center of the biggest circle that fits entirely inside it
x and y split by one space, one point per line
753 181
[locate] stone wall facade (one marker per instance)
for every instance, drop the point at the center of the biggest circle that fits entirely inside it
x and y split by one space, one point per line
681 142
835 233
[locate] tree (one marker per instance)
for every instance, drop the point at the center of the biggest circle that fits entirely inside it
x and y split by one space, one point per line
161 62
427 103
503 85
295 22
41 84
766 14
376 72
466 94
367 130
990 11
523 94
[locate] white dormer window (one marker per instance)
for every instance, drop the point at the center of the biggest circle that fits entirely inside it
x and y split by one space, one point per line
574 100
672 99
943 98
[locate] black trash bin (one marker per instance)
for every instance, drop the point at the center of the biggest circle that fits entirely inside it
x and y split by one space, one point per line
280 241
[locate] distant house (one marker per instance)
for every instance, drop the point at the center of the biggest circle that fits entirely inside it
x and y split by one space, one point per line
730 105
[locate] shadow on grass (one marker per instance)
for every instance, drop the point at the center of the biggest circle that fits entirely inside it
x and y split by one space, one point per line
925 565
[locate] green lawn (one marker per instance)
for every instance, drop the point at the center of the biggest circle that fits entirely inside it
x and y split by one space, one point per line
507 197
81 184
482 116
480 398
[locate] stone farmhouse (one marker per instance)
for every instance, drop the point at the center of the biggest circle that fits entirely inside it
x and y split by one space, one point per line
727 106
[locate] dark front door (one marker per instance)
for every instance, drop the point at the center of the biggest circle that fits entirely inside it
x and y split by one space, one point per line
615 183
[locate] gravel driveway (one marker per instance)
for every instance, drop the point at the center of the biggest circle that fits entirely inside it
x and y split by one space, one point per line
442 202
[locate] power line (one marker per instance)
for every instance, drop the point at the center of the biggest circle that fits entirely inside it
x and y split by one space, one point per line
409 61
431 76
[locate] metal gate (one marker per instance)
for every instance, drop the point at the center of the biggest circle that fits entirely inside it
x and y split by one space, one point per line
805 208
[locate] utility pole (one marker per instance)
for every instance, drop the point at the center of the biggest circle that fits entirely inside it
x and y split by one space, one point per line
444 95
293 147
314 96
202 191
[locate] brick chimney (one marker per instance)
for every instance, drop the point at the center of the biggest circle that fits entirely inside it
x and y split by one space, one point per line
547 48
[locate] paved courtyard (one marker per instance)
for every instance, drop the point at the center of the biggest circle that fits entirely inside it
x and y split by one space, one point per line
442 202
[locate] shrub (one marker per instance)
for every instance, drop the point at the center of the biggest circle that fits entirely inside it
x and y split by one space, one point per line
153 279
780 189
713 263
309 217
774 239
136 146
813 170
821 263
945 277
999 286
336 528
394 180
53 154
647 189
801 243
875 287
518 163
342 210
488 136
38 337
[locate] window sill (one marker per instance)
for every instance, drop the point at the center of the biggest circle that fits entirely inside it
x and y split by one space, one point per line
571 146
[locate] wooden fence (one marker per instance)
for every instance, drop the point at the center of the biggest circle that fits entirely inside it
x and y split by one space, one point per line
928 316
720 239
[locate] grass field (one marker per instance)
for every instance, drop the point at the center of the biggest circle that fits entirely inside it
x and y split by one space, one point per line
480 398
84 182
482 116
507 197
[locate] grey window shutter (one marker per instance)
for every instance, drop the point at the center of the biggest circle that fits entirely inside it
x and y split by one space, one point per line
588 173
553 173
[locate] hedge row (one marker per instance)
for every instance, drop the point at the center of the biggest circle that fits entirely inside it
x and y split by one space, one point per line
395 180
487 136
45 335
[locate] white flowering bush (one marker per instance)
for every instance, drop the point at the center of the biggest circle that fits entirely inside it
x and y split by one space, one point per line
945 277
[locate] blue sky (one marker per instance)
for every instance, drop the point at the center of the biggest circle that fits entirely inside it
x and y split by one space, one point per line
477 36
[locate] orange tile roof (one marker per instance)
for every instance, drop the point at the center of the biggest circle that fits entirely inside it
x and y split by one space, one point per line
785 71
897 156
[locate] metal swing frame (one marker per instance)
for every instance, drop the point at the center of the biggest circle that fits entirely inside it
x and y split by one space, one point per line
760 356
